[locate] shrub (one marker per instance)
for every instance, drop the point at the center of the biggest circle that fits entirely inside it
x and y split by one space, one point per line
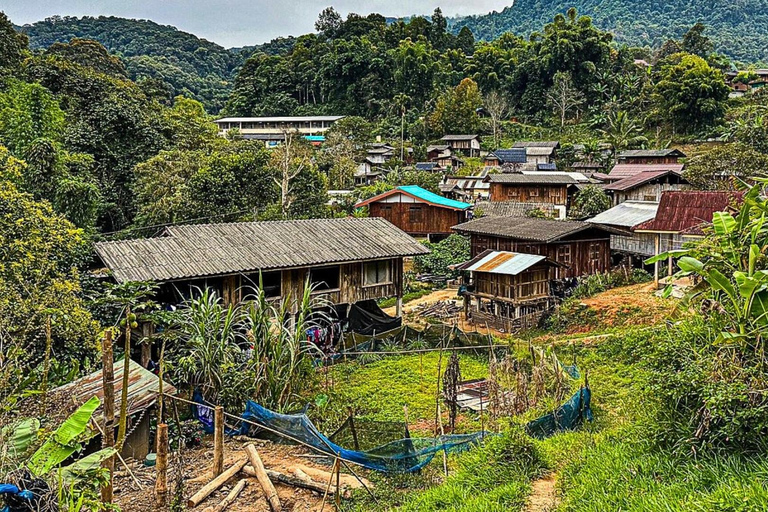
454 249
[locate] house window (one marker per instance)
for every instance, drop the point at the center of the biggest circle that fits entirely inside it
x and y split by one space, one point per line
594 252
271 283
534 192
649 198
324 278
564 254
512 192
554 192
377 272
414 214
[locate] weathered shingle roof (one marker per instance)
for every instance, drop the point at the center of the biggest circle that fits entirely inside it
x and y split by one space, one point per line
688 210
539 151
620 171
459 137
219 249
627 214
537 144
639 179
532 179
510 208
534 229
512 155
650 153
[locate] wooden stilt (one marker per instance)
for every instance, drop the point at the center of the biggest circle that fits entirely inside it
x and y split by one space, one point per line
108 433
161 468
218 441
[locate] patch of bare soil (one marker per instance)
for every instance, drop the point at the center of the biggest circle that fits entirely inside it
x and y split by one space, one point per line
426 300
543 497
196 473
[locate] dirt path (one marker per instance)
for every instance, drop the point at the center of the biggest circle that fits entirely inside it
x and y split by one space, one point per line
543 497
431 298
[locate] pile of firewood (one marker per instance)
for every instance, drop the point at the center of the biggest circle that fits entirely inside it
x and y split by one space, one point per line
441 309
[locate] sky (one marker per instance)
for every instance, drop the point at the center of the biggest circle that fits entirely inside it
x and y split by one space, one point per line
237 22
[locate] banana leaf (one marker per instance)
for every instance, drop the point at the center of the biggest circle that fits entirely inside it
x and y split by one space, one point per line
19 437
64 442
85 467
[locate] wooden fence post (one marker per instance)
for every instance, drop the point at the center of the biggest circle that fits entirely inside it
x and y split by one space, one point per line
161 467
218 441
108 411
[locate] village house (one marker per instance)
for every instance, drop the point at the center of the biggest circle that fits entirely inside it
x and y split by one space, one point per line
466 188
621 171
539 152
650 156
418 212
512 156
467 145
552 188
756 79
507 290
345 260
581 248
366 174
442 155
681 217
646 186
272 130
631 247
516 209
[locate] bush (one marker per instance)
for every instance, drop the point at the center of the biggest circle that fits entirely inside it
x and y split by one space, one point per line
454 249
597 283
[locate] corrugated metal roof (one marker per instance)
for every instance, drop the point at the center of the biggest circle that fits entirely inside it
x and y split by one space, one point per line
279 119
219 249
510 208
627 214
459 137
578 176
620 171
650 153
526 228
418 193
537 144
503 262
143 387
533 178
639 179
539 151
688 210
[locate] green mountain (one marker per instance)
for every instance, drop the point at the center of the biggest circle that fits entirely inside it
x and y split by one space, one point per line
183 62
739 28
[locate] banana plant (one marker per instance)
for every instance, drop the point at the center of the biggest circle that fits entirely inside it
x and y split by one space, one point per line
729 261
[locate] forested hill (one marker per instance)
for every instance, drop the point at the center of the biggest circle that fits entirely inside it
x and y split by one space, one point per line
183 62
739 29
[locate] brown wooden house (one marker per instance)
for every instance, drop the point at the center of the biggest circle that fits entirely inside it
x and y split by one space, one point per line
581 248
646 186
650 156
534 187
346 260
418 212
508 290
467 145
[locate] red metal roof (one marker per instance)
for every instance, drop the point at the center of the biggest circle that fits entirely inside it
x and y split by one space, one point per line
620 171
687 210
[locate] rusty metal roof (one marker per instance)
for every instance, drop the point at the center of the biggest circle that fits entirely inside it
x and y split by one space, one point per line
199 250
501 262
642 178
143 388
688 210
620 171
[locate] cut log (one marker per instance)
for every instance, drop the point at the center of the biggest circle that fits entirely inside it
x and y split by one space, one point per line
261 476
292 480
214 484
232 496
320 475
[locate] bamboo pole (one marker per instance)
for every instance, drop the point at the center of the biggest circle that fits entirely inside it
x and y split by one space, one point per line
442 433
232 496
330 483
218 441
261 476
338 486
161 468
214 484
123 424
108 412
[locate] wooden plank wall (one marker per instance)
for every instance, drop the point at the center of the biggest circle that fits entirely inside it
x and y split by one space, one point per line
434 220
554 194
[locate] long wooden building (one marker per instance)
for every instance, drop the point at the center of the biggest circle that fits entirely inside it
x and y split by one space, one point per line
579 247
418 212
345 260
534 187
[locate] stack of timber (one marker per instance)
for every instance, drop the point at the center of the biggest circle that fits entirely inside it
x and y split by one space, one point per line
441 309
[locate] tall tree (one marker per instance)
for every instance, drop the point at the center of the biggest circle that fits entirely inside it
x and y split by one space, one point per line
696 43
456 110
13 46
563 97
497 107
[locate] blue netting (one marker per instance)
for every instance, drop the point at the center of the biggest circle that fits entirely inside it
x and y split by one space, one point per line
404 455
566 417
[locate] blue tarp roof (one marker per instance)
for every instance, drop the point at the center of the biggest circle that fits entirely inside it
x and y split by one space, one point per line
425 166
433 198
546 167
